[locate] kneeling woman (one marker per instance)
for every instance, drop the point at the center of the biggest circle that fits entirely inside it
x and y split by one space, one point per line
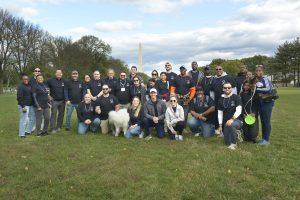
135 113
87 116
229 113
175 119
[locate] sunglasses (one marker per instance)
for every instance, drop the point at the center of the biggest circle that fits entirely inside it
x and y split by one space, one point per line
154 74
123 75
104 88
172 100
219 69
167 65
136 80
74 73
37 70
226 88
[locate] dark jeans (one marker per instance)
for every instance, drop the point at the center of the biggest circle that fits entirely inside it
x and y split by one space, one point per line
40 115
251 131
148 123
178 128
229 132
265 112
57 114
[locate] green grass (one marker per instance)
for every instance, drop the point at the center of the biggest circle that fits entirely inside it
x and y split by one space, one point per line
68 166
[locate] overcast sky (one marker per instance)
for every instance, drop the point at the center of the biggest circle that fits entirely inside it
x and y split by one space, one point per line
178 31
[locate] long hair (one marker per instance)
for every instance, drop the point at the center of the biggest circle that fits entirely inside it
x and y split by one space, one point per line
138 108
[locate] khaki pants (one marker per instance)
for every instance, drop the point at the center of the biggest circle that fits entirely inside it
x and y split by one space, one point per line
105 127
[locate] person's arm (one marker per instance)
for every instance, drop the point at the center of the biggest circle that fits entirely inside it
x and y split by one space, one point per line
36 103
20 95
80 114
167 116
146 113
181 114
220 117
66 91
192 92
209 111
264 86
238 112
164 109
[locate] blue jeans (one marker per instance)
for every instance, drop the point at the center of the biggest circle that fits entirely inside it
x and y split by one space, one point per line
27 121
229 132
133 132
148 123
265 112
198 126
83 128
70 108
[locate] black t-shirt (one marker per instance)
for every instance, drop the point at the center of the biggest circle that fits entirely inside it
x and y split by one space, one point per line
206 84
111 82
251 106
163 89
75 91
218 82
139 92
41 94
57 88
200 107
171 77
95 86
86 111
228 106
106 104
122 91
183 84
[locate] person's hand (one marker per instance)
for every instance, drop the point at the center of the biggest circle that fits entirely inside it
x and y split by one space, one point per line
229 122
117 108
39 108
220 128
68 102
174 132
24 110
87 121
199 116
94 98
155 120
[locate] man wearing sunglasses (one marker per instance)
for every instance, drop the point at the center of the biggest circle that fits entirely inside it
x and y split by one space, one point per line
229 116
196 75
103 105
33 81
111 80
171 76
122 90
74 92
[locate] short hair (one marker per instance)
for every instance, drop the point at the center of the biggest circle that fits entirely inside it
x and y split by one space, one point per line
226 83
133 67
152 80
163 73
105 85
259 66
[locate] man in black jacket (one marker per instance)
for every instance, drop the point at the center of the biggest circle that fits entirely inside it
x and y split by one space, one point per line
25 105
122 91
111 81
74 92
241 77
57 93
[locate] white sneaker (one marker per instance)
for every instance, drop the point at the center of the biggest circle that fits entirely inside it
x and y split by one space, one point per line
197 134
217 132
180 137
232 147
176 137
141 136
149 137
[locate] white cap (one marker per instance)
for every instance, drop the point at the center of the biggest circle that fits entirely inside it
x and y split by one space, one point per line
153 90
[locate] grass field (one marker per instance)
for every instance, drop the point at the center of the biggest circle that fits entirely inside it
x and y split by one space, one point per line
68 166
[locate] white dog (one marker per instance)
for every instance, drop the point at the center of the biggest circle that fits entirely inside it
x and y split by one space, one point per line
119 121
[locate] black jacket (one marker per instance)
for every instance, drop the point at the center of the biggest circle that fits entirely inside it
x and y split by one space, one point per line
74 91
133 119
57 88
41 96
86 111
24 95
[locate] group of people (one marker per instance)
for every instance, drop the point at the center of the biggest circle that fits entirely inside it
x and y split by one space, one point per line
219 104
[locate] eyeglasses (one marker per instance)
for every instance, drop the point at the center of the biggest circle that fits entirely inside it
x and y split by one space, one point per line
37 70
104 88
219 69
226 88
167 65
172 100
123 75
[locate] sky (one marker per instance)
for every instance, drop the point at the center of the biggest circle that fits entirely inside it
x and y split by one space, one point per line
178 31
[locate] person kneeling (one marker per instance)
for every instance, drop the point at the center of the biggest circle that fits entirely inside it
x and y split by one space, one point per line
175 119
229 112
202 109
154 113
135 113
87 116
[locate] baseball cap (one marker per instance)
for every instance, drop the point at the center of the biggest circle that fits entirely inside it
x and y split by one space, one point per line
153 90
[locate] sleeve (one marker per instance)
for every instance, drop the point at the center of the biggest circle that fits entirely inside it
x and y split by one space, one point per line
220 116
116 100
211 102
66 90
238 109
34 94
146 113
181 114
20 96
192 106
167 116
79 113
164 108
174 85
264 86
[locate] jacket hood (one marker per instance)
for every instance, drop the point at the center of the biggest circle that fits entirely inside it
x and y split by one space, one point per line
224 74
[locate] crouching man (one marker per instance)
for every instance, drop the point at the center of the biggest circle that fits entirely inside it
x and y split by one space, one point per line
87 116
229 113
154 113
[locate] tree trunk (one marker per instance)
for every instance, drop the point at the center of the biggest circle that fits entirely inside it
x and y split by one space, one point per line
298 76
295 77
1 85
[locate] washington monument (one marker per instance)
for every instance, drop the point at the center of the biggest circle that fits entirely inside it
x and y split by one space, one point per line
140 59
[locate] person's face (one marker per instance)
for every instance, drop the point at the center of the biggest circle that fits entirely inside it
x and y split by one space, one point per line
40 79
87 98
153 95
152 84
173 101
163 77
136 81
74 75
246 86
194 65
37 71
259 72
25 80
227 89
96 75
133 70
135 102
249 75
183 72
243 69
105 89
219 70
87 78
206 72
122 76
154 74
200 95
168 67
58 74
111 74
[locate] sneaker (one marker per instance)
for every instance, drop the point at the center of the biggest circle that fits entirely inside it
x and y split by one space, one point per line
58 130
141 136
197 135
180 137
239 135
149 137
176 137
217 132
263 142
23 137
44 133
53 131
27 133
232 147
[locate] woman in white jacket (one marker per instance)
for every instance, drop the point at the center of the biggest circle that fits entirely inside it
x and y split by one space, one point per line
175 119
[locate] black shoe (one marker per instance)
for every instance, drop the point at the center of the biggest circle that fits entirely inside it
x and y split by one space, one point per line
23 137
44 133
27 133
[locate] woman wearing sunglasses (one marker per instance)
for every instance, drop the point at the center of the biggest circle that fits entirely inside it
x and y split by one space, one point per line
138 90
175 119
229 116
154 75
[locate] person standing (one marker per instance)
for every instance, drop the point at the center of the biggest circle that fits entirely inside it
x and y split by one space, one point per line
138 90
171 76
133 74
111 81
42 106
229 116
196 75
207 80
25 106
266 100
95 86
74 92
154 75
87 116
154 115
163 87
57 93
151 84
185 90
202 109
106 103
32 82
136 119
122 91
175 119
86 82
240 78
